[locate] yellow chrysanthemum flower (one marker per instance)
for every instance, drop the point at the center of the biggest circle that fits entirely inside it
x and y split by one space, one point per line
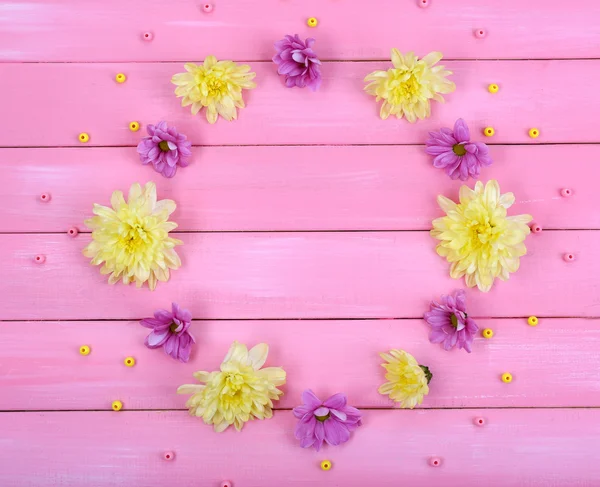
240 392
477 237
407 87
407 380
215 85
132 238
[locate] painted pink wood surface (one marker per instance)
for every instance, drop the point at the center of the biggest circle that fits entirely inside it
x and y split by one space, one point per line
112 30
294 188
521 447
554 364
86 98
296 275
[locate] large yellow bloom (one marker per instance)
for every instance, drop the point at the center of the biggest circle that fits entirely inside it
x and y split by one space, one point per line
132 238
407 87
407 380
215 85
477 237
239 392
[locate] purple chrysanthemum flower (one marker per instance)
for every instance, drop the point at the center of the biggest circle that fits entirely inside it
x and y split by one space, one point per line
449 322
330 421
165 148
170 331
298 62
454 152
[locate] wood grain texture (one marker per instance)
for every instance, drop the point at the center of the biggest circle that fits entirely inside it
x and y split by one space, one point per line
296 275
293 188
554 364
542 447
339 113
112 30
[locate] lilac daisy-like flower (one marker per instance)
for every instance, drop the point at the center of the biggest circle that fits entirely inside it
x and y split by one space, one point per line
449 322
298 62
331 420
454 152
170 331
165 148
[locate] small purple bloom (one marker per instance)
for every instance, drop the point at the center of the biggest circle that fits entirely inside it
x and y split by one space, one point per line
449 322
454 152
298 62
170 331
165 148
330 421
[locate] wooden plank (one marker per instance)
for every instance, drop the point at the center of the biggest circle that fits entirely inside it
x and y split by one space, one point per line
543 447
553 364
110 30
532 94
293 188
296 275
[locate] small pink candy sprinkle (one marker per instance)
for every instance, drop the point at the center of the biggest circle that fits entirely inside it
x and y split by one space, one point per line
480 33
45 197
479 421
73 232
207 7
568 257
168 456
435 462
39 259
536 228
565 192
423 3
147 36
226 483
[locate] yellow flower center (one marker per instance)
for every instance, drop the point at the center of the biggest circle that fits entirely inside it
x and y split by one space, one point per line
234 383
459 149
402 88
216 86
454 320
483 232
164 146
133 236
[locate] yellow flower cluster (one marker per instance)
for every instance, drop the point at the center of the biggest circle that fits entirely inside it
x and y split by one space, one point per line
407 380
407 88
241 391
477 237
214 85
131 239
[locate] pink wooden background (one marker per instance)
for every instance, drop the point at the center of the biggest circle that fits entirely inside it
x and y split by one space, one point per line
304 226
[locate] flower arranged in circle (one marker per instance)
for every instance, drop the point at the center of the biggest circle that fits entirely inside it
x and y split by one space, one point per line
170 330
131 239
297 61
216 86
450 324
456 154
477 237
331 420
407 88
407 380
241 391
165 148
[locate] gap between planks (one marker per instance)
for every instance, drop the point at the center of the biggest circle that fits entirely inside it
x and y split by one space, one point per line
391 408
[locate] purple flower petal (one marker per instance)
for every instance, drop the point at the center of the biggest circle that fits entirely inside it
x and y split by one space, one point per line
297 61
461 131
337 401
447 159
336 432
155 340
449 323
321 411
